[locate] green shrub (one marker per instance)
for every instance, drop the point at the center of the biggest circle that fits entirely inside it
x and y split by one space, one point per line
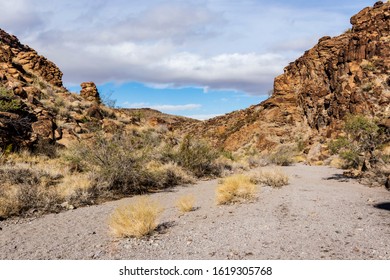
195 156
8 101
352 157
117 165
359 144
336 145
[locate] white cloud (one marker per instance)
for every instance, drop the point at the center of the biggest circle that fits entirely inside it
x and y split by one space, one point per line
166 107
184 107
203 117
135 105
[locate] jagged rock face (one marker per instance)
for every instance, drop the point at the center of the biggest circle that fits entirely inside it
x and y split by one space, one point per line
341 75
22 73
22 63
345 74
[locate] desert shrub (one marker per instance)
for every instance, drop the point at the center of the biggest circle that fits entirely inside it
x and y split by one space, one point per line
368 66
8 101
186 203
271 177
135 220
126 163
25 189
282 156
352 157
361 129
236 188
45 147
107 100
195 156
117 165
362 138
336 145
228 155
168 174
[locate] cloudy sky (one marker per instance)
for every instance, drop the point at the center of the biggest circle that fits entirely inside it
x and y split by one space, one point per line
194 58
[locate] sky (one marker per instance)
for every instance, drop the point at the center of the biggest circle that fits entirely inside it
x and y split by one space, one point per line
192 58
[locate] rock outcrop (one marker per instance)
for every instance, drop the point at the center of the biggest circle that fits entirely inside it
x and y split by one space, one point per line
347 74
22 63
90 92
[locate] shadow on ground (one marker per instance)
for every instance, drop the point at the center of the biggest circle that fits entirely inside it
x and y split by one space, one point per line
383 206
338 177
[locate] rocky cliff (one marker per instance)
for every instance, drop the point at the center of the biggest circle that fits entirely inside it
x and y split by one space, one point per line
347 74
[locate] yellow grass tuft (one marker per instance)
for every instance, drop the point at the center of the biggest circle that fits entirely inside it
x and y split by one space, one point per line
235 188
271 177
9 202
71 184
186 203
135 220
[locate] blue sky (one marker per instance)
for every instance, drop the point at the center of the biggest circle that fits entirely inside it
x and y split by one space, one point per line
194 58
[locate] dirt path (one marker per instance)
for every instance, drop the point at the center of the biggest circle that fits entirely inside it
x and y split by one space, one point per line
319 215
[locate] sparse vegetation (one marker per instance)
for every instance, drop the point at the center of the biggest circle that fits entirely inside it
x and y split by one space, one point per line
274 177
196 156
8 101
186 203
368 66
135 220
361 140
283 156
24 189
133 163
236 188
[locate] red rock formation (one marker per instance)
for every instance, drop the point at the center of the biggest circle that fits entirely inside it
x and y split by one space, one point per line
90 92
341 75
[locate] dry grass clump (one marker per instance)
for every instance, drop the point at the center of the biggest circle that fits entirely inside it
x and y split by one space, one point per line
135 220
235 188
186 203
271 177
9 204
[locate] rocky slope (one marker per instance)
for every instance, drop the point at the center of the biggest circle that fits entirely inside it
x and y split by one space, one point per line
35 107
341 75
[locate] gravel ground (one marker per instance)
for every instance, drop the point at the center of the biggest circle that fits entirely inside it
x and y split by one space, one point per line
320 215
